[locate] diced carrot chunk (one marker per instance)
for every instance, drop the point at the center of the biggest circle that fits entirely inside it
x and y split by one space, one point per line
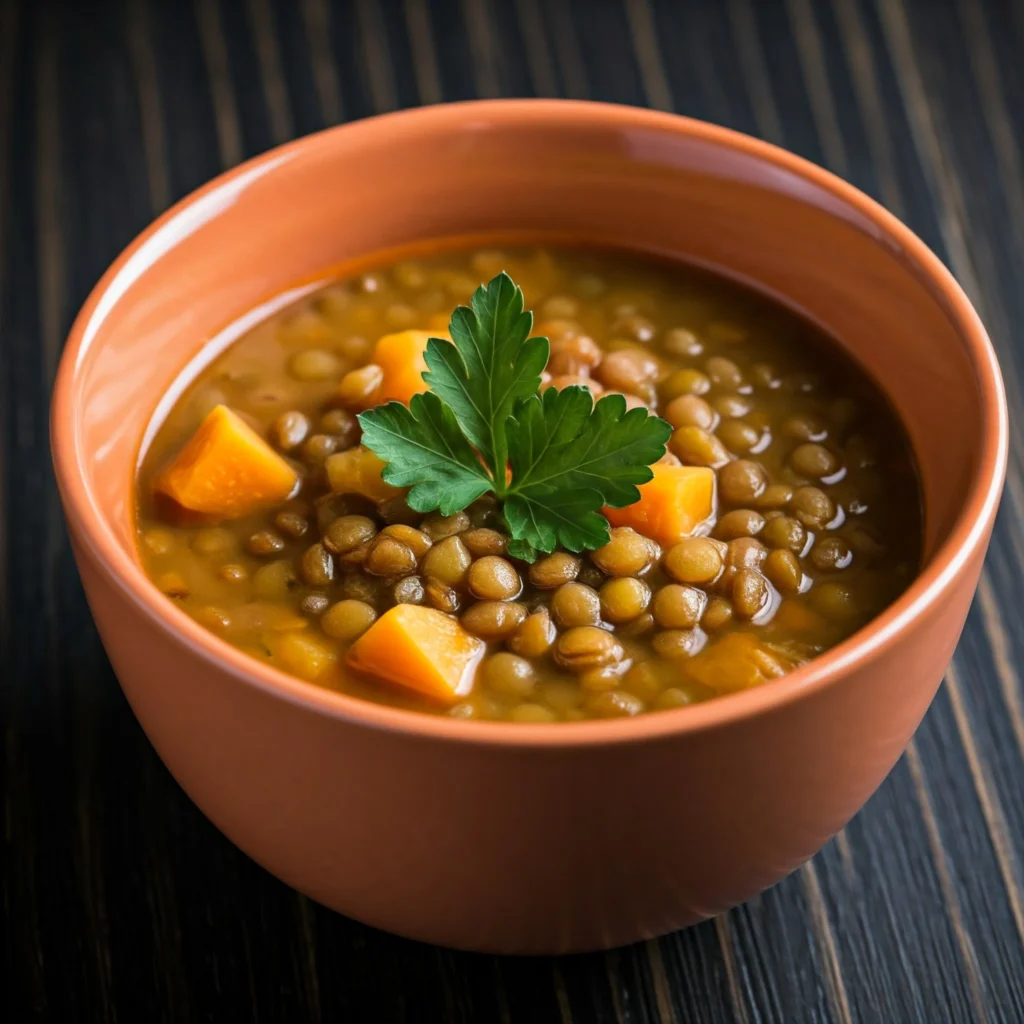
357 471
401 357
671 506
419 649
736 662
227 470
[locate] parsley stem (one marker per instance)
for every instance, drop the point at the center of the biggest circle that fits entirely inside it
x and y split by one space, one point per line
500 467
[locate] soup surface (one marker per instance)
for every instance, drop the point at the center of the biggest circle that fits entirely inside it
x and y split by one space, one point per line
783 516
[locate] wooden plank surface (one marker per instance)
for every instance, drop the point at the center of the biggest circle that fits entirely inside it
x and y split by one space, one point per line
120 901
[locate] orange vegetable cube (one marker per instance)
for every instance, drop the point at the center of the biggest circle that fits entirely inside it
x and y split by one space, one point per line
400 356
736 662
671 506
419 649
357 471
227 470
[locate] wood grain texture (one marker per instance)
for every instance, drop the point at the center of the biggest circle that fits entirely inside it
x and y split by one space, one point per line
120 901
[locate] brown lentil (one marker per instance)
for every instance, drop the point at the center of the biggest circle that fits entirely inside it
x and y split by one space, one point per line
804 428
437 526
683 382
677 643
349 532
554 570
485 541
638 627
357 587
508 674
813 460
342 426
627 553
717 614
347 619
396 512
575 604
290 429
671 698
831 554
749 592
812 506
738 436
680 342
357 387
622 599
785 532
694 560
723 372
493 578
627 370
731 406
783 569
696 447
263 543
493 620
388 556
412 538
173 584
232 573
690 411
586 647
534 637
448 561
315 604
291 524
317 566
678 606
440 596
775 496
273 581
741 522
576 355
742 481
409 590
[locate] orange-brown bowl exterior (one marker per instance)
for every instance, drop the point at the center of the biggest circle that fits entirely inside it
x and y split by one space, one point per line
503 837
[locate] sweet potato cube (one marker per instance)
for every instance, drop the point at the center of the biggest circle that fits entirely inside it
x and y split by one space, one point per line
419 649
671 506
736 662
400 356
227 470
357 471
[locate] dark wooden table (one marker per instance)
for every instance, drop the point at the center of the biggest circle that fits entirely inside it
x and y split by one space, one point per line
120 901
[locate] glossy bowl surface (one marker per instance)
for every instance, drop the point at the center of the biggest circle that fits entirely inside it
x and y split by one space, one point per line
509 837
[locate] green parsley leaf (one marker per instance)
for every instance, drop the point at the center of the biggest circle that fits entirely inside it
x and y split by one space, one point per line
569 458
424 449
490 363
483 416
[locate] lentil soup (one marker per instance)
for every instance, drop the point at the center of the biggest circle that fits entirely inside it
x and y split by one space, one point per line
784 514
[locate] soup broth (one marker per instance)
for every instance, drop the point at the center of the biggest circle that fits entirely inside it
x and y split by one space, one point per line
813 523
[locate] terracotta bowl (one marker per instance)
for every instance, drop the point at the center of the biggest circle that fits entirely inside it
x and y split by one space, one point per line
505 837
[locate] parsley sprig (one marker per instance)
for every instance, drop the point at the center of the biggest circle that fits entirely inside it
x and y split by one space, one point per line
553 459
